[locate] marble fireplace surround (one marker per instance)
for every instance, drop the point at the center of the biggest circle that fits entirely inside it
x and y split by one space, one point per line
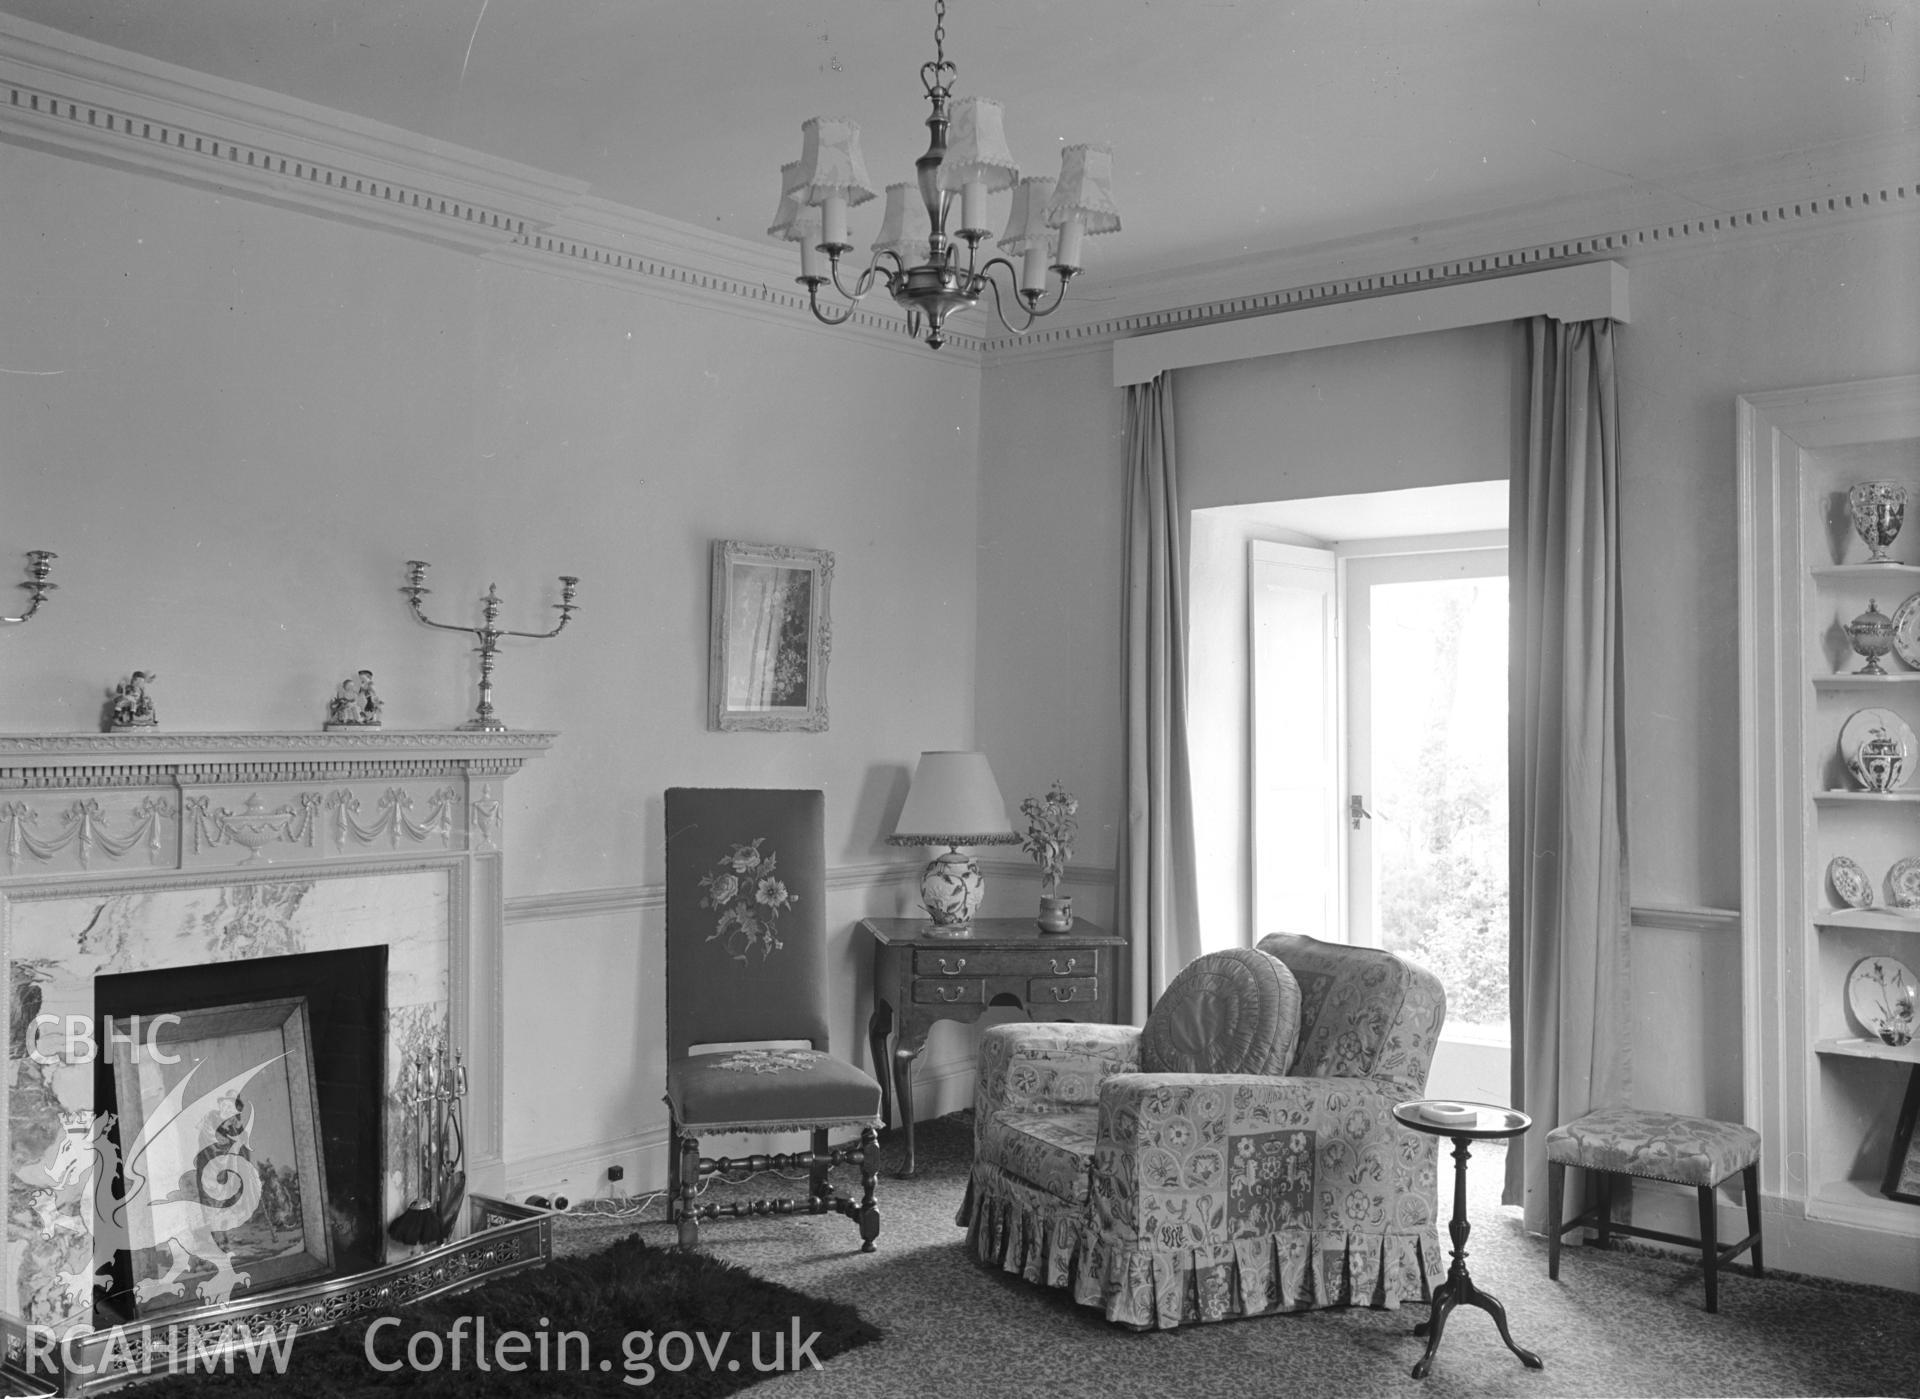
134 852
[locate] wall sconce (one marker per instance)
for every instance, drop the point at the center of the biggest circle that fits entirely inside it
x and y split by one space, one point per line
39 564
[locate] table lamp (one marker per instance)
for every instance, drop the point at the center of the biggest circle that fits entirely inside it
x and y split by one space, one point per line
954 802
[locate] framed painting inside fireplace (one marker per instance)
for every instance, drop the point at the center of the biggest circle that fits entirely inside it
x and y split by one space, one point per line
771 635
224 1182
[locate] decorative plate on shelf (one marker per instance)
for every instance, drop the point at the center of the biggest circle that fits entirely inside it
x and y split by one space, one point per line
1850 882
1878 748
1881 993
1906 631
1903 883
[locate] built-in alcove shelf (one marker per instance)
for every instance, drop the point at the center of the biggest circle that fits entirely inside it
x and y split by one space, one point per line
1862 1048
1871 920
1825 684
1865 572
1822 1091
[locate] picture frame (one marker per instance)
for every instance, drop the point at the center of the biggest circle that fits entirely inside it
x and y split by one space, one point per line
224 1180
1903 1161
771 637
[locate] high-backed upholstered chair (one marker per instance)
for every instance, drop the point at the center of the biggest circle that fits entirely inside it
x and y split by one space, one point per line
747 969
1274 1179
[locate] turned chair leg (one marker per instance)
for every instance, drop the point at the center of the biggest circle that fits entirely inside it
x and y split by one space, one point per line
869 1174
686 1152
818 1186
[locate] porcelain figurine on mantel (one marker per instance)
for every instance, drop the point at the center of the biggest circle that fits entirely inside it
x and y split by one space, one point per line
354 705
1051 825
130 710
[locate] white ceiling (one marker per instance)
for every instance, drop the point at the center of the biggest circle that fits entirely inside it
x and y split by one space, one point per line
1238 128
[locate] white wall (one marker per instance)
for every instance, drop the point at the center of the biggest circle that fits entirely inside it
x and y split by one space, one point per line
235 423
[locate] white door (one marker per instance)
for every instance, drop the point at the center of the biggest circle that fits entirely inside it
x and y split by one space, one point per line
1295 740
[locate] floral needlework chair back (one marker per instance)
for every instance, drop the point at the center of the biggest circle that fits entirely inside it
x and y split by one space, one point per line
746 892
746 935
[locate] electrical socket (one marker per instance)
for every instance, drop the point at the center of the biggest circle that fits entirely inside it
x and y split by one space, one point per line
616 1172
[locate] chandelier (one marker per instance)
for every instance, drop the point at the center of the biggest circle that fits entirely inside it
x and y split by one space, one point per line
914 257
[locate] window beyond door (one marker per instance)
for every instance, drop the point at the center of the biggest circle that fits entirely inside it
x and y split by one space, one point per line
1426 712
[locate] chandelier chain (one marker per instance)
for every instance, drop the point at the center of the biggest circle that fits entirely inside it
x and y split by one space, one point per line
932 73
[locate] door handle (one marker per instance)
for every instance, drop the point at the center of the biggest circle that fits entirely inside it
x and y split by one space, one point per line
1357 808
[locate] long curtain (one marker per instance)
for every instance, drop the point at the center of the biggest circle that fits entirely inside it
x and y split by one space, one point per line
1567 763
1158 908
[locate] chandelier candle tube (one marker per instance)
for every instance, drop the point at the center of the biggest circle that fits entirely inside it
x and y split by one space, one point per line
1071 232
1033 271
833 218
807 232
973 207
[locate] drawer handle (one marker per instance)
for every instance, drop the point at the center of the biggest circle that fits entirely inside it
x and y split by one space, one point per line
959 966
1064 993
958 992
1059 970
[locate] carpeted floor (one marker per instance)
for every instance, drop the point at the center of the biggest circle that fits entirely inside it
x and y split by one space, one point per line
1618 1323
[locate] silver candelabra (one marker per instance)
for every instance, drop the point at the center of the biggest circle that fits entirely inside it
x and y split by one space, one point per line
39 564
415 589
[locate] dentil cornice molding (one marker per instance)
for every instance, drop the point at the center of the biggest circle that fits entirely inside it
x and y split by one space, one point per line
137 759
87 101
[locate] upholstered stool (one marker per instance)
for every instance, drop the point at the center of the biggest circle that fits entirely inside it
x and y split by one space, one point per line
1695 1151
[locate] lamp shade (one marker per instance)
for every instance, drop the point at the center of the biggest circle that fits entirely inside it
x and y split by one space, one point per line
953 801
977 147
791 202
1085 189
905 230
831 163
1027 220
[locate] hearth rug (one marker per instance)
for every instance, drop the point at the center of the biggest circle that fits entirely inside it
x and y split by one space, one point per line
634 1319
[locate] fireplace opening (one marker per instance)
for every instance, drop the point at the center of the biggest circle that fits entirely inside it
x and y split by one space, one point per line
301 1040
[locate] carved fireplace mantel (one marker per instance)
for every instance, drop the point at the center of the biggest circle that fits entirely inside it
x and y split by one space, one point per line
152 851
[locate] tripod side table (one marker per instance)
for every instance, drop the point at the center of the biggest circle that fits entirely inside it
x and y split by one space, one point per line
1485 1123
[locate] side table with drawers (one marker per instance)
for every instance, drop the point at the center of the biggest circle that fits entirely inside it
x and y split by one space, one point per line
920 977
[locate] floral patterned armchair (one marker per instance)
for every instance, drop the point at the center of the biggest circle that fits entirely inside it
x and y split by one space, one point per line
1171 1198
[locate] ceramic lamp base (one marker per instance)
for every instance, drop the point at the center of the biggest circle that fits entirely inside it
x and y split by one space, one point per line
950 890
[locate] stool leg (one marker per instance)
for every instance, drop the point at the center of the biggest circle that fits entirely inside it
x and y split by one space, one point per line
1750 1182
1556 1193
1605 1192
1710 1247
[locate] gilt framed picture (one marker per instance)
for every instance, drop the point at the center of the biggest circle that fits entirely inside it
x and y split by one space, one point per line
224 1188
771 635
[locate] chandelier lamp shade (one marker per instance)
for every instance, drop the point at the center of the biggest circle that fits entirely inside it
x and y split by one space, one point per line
917 256
953 801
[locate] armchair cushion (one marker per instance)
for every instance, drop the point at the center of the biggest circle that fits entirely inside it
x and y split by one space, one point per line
1051 1152
1232 1012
